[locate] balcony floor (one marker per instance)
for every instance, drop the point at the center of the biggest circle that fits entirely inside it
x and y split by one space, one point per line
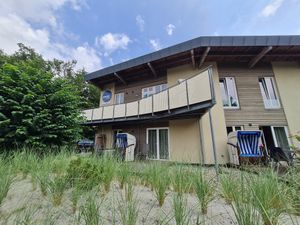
191 111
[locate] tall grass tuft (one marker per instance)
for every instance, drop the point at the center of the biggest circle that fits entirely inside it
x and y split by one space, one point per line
161 183
229 185
269 197
181 179
128 211
182 215
5 179
123 173
56 187
89 213
204 190
245 213
108 170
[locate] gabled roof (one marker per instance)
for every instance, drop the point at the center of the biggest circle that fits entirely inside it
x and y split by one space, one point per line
286 46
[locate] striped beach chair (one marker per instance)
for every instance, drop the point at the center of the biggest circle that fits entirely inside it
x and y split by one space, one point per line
244 144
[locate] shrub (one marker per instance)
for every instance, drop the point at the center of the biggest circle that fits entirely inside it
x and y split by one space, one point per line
84 173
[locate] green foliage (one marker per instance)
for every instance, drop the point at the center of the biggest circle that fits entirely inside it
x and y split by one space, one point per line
204 190
84 173
37 106
5 179
89 213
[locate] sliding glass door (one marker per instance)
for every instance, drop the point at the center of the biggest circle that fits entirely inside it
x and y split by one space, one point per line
158 142
280 135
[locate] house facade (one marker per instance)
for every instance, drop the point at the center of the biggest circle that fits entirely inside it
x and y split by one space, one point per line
181 102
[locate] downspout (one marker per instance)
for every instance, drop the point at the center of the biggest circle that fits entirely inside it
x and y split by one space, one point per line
201 155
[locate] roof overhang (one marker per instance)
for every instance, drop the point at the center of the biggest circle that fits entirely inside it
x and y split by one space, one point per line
246 49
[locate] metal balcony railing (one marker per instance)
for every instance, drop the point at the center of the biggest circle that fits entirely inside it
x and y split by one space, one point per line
191 91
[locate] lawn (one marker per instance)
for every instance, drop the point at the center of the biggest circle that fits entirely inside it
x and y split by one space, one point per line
65 188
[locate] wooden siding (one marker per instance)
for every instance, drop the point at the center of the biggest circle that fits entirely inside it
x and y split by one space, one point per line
252 110
133 92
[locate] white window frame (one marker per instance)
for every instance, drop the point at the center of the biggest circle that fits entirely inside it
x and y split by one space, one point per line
265 98
274 136
153 91
234 127
235 92
117 98
157 144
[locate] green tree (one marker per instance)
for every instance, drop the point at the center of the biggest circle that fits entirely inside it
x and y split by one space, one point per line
37 107
88 93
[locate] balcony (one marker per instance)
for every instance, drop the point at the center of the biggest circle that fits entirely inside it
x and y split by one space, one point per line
193 96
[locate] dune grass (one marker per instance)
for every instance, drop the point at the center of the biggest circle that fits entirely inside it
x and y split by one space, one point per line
256 199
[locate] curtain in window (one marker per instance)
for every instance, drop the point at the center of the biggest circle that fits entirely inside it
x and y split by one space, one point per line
281 138
152 141
163 144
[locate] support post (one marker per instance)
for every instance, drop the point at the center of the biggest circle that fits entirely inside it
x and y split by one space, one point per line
213 143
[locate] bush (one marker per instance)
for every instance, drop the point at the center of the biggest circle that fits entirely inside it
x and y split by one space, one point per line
84 173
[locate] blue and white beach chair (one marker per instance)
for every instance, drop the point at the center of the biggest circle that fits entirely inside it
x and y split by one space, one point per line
244 144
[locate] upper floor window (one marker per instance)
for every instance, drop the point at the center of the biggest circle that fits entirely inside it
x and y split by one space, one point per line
148 91
119 98
229 93
269 93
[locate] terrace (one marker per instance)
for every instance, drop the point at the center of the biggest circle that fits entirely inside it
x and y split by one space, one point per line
193 96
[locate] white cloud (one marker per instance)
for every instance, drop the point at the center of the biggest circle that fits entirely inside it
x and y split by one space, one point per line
271 8
111 42
15 30
16 26
38 11
140 22
170 29
86 58
155 44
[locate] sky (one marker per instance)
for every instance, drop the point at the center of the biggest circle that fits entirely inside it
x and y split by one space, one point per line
99 33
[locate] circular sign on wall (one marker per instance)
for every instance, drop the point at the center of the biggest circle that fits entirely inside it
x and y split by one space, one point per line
106 96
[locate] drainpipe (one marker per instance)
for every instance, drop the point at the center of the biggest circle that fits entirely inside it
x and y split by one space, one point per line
201 155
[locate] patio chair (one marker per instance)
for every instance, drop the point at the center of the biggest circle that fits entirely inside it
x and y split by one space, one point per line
278 155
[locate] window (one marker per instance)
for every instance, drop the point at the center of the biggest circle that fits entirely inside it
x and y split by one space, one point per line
234 128
148 91
269 93
119 98
229 93
158 143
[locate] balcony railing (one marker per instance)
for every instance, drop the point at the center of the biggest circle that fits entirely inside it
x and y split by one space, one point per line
192 91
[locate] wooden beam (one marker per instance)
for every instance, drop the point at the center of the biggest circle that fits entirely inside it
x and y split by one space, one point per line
259 56
193 58
203 57
120 78
152 69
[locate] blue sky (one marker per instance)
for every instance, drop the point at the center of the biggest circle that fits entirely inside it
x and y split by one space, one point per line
100 33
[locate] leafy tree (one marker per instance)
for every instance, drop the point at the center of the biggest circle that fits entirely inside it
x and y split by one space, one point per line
88 93
37 107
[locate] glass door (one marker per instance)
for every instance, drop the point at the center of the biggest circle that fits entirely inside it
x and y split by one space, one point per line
158 142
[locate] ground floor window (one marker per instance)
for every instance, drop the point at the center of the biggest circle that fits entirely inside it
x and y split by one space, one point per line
234 128
158 143
276 136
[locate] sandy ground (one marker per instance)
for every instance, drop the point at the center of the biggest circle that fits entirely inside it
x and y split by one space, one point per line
25 201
